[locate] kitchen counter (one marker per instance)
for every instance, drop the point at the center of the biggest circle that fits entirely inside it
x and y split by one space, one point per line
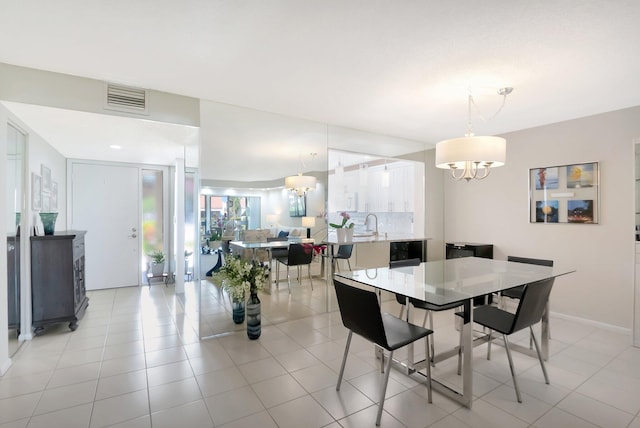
377 251
382 237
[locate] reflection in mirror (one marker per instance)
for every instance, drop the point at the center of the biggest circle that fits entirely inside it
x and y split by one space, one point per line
389 188
246 156
15 155
248 153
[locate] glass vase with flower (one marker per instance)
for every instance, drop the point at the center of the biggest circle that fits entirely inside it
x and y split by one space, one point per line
239 278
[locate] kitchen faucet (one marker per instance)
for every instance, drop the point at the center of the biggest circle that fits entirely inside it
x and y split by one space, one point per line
366 219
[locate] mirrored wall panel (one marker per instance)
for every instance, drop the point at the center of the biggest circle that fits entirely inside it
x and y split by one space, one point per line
249 155
16 142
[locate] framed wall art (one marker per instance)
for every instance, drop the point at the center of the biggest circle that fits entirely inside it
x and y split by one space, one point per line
46 178
36 192
565 194
54 195
297 205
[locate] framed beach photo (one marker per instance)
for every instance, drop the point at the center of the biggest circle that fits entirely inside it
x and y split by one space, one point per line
565 193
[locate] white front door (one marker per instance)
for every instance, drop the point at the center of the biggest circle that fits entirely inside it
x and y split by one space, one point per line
105 203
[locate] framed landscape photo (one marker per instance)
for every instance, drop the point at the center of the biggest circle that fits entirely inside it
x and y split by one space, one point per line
54 195
565 193
297 205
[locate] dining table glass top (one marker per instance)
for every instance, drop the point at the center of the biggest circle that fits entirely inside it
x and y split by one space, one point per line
271 244
453 280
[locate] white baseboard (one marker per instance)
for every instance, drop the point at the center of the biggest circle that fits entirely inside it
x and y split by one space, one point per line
615 328
598 324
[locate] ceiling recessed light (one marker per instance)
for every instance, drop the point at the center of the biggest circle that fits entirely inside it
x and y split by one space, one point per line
115 147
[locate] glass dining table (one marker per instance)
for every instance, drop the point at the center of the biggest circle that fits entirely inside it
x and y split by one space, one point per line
254 247
455 280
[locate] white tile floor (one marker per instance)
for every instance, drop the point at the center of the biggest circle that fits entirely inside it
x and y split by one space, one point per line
136 361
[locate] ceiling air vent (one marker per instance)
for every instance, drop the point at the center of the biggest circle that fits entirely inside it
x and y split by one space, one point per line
126 99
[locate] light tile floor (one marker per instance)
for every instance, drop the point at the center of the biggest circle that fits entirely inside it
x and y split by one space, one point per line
136 361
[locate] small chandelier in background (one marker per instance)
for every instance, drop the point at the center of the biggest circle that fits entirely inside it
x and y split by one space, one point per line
470 154
300 184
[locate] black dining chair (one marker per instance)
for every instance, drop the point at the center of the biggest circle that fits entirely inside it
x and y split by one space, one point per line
516 292
429 308
277 253
344 253
531 306
298 255
360 312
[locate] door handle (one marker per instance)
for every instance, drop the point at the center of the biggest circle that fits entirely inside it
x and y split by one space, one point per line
10 247
133 235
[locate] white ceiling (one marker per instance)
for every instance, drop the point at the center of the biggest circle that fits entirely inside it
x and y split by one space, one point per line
399 68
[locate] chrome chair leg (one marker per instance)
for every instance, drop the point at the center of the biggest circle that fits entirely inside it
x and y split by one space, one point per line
428 344
432 340
489 345
344 360
544 369
349 264
288 279
383 388
513 370
310 280
460 356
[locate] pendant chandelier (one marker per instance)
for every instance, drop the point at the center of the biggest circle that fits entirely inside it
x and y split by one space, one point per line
300 184
472 157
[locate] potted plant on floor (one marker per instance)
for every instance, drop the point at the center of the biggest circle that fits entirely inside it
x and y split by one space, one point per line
157 263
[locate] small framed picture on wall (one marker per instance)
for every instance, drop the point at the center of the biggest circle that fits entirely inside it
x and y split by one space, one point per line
46 178
36 192
46 203
54 196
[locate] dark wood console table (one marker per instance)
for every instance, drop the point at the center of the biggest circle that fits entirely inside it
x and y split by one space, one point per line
57 279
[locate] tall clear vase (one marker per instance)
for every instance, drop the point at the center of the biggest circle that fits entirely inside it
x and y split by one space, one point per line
237 310
254 328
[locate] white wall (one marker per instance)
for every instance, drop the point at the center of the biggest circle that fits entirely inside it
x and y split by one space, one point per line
495 210
31 86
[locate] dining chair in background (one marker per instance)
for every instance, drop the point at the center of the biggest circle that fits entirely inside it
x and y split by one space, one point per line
516 292
277 253
531 306
360 312
298 255
344 253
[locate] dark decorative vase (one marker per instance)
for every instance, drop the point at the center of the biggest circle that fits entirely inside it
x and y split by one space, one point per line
48 222
237 311
254 329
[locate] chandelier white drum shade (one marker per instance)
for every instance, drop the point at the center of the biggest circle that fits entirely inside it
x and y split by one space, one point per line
467 156
300 184
471 154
